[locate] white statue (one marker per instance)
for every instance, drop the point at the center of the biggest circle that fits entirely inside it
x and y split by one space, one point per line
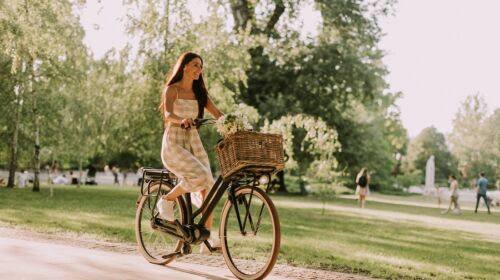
430 188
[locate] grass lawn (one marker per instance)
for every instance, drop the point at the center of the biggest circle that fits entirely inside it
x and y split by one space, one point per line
340 240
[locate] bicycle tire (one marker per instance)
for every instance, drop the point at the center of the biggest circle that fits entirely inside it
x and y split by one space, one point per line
153 244
236 245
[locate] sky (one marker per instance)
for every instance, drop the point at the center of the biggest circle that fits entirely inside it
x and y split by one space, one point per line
438 52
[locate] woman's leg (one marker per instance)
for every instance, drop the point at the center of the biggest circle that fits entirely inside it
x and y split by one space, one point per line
449 206
208 223
362 200
174 193
486 202
166 203
457 206
478 196
214 238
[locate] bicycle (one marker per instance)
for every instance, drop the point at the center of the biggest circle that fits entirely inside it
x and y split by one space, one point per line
249 228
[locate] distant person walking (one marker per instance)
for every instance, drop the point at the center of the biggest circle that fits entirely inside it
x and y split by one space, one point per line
23 178
139 176
54 171
114 171
125 173
482 188
453 196
362 186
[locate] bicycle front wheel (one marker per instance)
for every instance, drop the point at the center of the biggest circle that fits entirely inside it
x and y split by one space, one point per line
250 233
155 245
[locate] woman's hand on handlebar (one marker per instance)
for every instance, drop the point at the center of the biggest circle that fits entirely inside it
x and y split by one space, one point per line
187 123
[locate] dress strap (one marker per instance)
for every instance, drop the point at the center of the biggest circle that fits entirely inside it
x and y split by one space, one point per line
177 93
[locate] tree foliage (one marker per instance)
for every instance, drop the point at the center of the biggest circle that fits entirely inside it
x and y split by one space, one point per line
40 38
328 92
474 138
307 142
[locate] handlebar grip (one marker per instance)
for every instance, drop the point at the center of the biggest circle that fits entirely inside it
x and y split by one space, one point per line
197 123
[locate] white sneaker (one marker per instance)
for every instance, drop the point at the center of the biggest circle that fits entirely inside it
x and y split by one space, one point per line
166 209
214 243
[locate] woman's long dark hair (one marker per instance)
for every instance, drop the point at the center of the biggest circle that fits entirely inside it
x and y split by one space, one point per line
199 89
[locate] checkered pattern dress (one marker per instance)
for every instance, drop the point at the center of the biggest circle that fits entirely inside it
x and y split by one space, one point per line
182 151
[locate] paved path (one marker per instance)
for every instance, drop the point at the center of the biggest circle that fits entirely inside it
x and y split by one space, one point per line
468 204
22 259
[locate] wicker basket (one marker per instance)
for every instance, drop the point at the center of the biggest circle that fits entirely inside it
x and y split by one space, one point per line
258 152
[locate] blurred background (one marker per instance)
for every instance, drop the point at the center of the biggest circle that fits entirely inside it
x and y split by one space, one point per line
351 84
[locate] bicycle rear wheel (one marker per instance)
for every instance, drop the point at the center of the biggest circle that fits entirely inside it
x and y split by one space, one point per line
250 233
154 245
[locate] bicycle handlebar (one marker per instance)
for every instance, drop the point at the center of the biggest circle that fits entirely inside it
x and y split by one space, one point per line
199 122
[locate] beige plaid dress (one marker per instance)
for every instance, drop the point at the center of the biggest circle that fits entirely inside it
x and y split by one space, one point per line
182 151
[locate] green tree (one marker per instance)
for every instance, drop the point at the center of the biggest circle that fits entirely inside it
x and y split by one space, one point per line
310 146
473 138
492 149
430 142
338 73
39 35
7 107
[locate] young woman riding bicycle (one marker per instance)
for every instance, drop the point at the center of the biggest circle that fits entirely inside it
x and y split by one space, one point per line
185 98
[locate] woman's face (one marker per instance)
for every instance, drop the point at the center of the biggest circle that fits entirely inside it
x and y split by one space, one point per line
193 69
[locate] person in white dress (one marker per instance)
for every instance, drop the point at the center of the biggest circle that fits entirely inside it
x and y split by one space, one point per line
23 179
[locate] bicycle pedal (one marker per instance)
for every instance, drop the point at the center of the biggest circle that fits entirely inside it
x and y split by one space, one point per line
186 249
216 250
211 248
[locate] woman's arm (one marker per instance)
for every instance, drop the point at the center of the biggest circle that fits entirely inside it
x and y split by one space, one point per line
212 109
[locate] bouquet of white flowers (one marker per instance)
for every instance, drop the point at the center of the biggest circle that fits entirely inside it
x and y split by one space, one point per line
231 123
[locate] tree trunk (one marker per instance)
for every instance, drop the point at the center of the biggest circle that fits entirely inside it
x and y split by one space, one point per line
13 148
281 182
242 13
80 164
302 186
279 9
36 159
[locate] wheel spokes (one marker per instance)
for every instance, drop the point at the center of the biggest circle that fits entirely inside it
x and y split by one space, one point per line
154 242
250 243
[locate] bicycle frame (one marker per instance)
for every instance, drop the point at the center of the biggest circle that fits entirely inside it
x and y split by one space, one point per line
213 198
208 206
